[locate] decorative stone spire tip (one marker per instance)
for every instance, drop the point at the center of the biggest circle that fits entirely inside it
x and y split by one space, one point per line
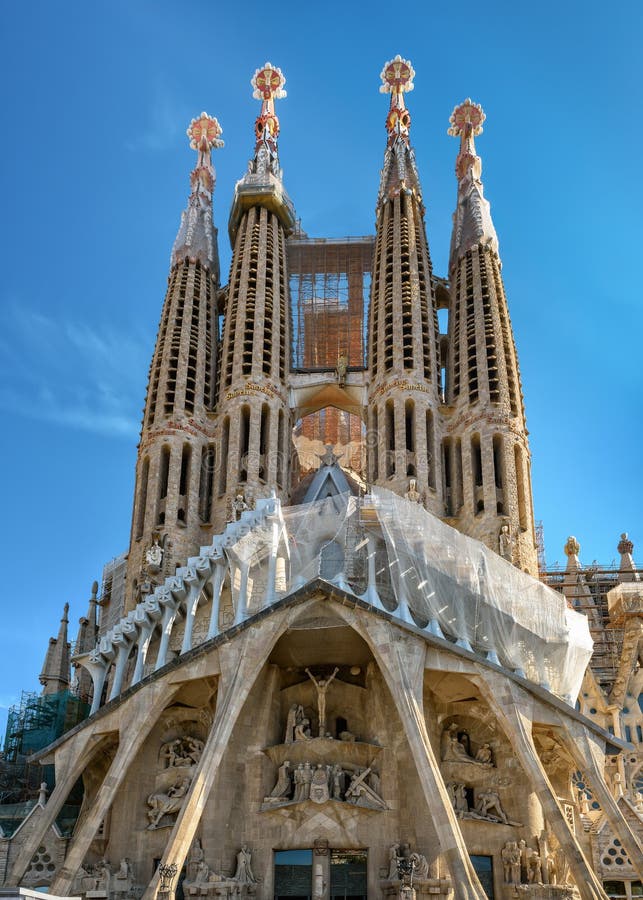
397 79
466 123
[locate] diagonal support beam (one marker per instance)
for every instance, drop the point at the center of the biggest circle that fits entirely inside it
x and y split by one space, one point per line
241 662
401 660
513 707
140 715
71 760
589 756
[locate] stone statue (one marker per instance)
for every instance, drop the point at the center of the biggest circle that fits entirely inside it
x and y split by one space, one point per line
319 792
154 557
337 778
489 800
298 780
360 794
295 714
572 547
484 755
282 789
307 778
239 506
534 869
195 857
413 494
393 857
122 879
103 876
244 873
322 685
302 731
505 542
461 800
165 804
340 371
421 869
510 855
453 750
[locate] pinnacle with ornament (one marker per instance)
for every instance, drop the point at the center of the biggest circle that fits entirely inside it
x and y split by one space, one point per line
397 79
466 123
268 85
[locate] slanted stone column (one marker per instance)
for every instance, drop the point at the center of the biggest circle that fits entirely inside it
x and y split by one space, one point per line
140 715
589 756
240 666
513 707
71 760
401 659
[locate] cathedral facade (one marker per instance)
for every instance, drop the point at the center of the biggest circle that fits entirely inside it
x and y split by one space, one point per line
329 665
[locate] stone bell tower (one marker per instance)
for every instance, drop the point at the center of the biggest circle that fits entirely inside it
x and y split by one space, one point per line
485 452
253 425
173 472
404 392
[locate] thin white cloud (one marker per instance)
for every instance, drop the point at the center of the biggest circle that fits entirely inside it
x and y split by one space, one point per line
164 123
71 372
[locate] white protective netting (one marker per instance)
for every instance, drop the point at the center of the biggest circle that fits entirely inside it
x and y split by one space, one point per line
424 571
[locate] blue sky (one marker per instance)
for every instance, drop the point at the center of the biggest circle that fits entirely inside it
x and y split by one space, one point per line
95 163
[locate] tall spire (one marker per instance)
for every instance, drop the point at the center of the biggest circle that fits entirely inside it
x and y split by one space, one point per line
253 426
399 172
268 83
55 670
196 238
262 184
472 223
404 387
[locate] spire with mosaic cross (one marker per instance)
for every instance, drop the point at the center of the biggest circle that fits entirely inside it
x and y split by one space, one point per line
399 172
268 84
196 238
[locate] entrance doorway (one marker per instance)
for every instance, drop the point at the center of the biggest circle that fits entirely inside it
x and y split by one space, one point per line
348 874
293 874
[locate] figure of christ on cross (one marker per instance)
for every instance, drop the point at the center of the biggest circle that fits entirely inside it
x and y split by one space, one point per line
322 686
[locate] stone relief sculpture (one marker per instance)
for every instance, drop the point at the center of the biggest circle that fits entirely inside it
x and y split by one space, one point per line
244 873
401 857
413 494
177 761
524 865
320 783
322 685
454 750
510 855
164 804
487 805
297 725
505 542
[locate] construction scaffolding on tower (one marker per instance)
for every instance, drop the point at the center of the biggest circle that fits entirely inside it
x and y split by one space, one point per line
606 634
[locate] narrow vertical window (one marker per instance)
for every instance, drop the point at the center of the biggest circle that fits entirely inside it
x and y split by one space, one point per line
223 459
164 472
430 448
374 442
409 428
390 438
497 472
476 472
184 484
244 442
205 483
142 498
446 476
520 486
264 431
280 449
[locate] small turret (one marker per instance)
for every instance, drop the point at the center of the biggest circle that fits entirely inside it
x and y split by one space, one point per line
55 675
627 569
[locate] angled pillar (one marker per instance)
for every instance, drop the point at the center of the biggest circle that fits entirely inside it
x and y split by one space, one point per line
401 660
241 662
139 717
508 701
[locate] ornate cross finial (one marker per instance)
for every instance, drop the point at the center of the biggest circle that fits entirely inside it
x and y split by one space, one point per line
397 78
204 136
466 123
268 83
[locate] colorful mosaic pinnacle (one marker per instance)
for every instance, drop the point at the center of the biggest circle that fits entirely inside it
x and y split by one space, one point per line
268 83
466 123
204 133
397 78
